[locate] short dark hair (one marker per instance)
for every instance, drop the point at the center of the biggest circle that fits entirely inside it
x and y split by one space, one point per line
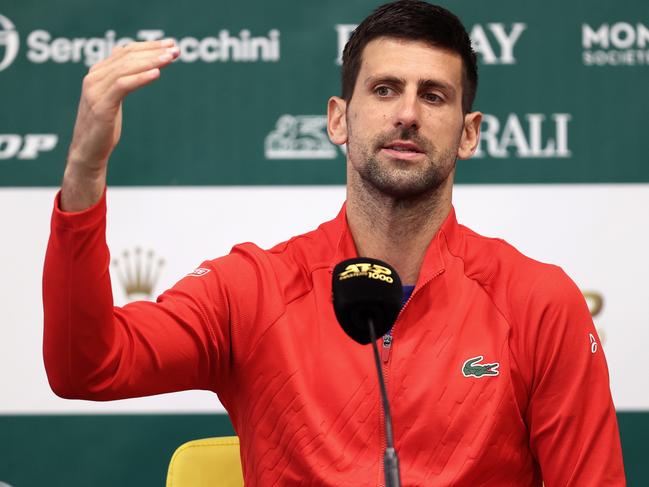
412 20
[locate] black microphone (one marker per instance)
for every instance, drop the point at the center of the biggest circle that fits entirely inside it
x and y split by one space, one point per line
367 297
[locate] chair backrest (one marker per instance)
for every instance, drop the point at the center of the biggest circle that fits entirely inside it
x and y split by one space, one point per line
212 462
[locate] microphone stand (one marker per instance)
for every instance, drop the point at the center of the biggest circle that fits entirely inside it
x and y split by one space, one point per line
390 459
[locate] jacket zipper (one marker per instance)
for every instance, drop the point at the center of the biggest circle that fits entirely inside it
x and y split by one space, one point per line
387 344
388 340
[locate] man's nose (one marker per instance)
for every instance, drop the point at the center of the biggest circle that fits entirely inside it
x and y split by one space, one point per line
407 115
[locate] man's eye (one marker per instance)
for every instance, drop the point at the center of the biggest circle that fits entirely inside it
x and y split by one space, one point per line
382 91
432 97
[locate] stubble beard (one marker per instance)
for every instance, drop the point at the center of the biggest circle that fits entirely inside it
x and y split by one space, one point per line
404 180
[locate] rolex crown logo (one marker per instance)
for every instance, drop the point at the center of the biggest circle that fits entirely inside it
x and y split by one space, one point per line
138 272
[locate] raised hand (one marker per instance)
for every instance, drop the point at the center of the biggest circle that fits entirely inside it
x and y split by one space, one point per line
99 118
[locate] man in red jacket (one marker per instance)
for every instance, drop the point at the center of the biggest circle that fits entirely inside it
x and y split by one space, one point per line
493 367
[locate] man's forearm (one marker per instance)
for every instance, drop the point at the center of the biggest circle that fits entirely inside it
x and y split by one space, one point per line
81 188
77 302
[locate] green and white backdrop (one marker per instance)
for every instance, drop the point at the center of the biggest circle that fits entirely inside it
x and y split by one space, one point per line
230 146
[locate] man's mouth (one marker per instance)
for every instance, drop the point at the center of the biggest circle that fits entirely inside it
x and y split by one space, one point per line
402 149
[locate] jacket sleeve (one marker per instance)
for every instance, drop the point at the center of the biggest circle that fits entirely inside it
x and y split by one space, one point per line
571 417
93 350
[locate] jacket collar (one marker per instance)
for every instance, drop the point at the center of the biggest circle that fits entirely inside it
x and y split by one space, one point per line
340 234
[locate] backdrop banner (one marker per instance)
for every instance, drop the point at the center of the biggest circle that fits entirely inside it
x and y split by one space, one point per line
230 145
562 85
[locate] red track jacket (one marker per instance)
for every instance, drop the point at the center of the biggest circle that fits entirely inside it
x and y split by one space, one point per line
495 374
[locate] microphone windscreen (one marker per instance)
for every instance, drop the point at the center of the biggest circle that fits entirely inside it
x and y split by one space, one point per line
363 289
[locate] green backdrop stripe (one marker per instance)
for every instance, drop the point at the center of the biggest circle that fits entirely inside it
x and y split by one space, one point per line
97 450
563 95
134 450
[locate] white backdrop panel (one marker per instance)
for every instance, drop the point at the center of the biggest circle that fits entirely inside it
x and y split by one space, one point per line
597 233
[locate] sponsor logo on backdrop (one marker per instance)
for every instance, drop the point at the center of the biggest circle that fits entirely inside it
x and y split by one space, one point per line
225 47
533 135
26 146
299 137
344 32
138 273
9 42
493 42
618 44
595 302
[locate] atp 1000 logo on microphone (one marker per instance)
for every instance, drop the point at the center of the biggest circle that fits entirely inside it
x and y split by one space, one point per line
371 270
9 42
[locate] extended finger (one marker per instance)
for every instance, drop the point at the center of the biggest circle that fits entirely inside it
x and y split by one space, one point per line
126 84
134 63
133 47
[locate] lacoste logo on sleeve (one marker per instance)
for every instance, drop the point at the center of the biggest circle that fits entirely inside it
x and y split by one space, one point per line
198 272
472 368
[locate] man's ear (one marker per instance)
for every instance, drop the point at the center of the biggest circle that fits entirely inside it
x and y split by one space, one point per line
337 120
470 135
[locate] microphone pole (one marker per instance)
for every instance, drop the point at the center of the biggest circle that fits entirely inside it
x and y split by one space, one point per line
366 295
390 459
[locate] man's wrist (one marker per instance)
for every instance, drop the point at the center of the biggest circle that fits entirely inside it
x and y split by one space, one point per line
82 187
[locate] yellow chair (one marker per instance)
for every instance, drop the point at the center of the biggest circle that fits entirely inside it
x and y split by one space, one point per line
212 462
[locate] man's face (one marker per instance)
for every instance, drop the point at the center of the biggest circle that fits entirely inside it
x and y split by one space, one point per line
404 125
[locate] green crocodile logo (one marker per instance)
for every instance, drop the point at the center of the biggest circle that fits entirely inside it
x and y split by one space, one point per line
472 368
